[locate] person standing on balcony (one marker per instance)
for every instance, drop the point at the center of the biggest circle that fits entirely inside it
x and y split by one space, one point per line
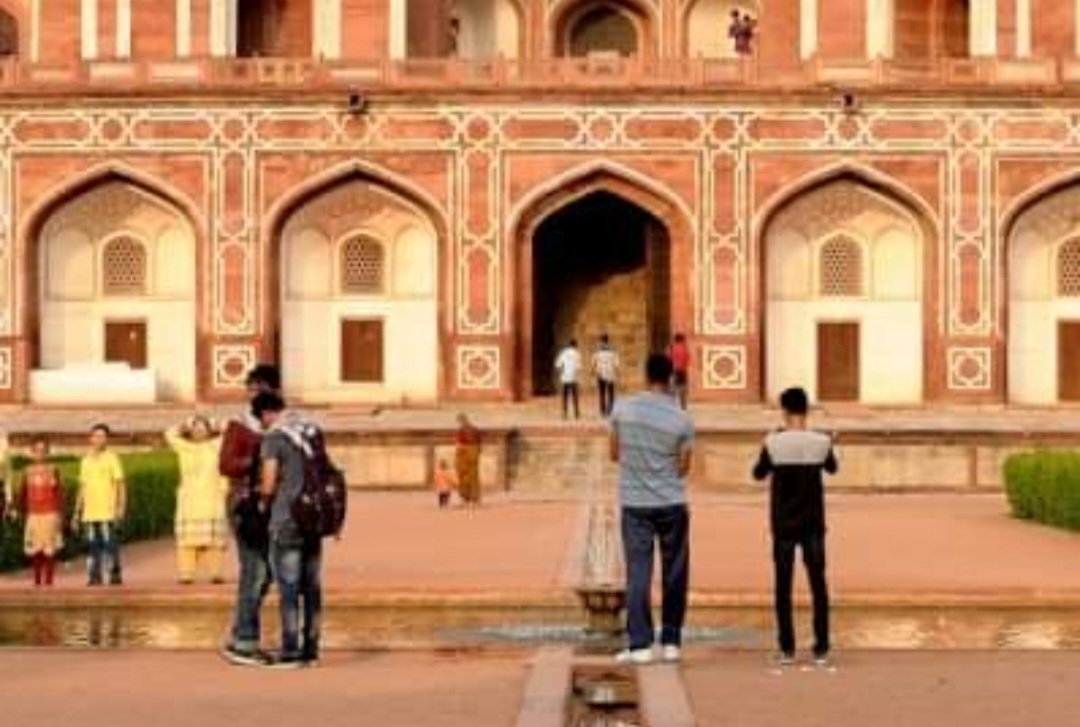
605 364
651 440
741 32
568 365
680 361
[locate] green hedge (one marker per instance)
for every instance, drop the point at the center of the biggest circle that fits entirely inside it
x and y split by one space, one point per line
152 479
1045 486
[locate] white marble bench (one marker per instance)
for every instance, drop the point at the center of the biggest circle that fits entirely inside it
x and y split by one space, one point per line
104 383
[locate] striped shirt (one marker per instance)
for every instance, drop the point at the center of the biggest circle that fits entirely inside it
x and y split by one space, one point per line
653 432
795 460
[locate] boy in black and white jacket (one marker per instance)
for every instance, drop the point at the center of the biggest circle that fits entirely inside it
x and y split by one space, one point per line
795 458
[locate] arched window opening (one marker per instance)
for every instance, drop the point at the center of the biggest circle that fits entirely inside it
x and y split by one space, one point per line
260 28
482 29
840 266
604 30
363 266
1068 269
123 267
9 35
929 29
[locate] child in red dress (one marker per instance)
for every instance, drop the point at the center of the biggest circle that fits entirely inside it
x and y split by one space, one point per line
42 500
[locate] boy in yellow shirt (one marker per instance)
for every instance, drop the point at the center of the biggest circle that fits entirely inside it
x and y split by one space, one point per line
101 506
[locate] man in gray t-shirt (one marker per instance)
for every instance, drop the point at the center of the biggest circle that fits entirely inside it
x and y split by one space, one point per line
289 465
652 440
295 559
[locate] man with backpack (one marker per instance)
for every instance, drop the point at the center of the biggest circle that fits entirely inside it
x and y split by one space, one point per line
299 490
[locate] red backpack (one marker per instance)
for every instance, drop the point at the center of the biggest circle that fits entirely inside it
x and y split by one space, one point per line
320 508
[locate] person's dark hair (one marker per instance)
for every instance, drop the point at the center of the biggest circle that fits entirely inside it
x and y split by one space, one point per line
679 338
658 369
573 343
267 401
604 338
266 375
101 427
795 401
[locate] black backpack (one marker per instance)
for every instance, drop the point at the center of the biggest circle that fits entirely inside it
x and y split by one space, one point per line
319 510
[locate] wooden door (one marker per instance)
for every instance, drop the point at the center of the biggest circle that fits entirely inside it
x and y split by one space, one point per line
1069 361
838 361
126 341
362 350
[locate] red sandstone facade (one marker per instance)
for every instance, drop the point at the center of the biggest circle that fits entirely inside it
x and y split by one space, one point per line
488 148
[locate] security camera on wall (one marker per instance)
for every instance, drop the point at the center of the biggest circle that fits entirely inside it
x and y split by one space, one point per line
357 103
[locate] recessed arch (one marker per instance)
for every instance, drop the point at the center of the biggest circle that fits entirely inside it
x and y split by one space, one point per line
357 194
897 229
29 283
567 15
126 197
570 189
1040 315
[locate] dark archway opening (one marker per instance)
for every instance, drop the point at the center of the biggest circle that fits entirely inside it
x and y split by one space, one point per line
604 29
9 35
600 265
925 30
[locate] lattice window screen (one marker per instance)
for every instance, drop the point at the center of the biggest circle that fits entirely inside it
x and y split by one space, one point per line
363 266
841 269
123 267
1068 269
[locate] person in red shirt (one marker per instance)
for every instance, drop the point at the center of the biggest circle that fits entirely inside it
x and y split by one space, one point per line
239 461
680 363
42 503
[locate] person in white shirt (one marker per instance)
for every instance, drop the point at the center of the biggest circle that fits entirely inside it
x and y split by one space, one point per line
605 364
568 364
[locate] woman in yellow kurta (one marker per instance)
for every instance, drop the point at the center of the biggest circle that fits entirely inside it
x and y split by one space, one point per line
201 527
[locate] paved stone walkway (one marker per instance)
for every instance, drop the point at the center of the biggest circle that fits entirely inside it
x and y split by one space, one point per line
137 689
891 549
545 414
888 689
488 689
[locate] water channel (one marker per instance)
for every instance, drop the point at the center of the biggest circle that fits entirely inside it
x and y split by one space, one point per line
378 628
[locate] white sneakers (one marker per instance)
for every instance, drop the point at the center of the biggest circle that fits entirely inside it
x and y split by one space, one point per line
634 656
669 653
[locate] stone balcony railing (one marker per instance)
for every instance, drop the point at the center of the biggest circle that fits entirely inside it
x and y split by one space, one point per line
615 74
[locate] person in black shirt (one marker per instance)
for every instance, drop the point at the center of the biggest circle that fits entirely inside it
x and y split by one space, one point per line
795 458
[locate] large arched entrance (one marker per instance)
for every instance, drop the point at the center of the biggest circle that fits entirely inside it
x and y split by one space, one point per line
845 286
600 265
356 294
1043 259
115 299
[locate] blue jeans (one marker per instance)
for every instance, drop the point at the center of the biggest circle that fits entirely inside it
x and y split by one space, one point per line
251 588
102 542
641 528
297 566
